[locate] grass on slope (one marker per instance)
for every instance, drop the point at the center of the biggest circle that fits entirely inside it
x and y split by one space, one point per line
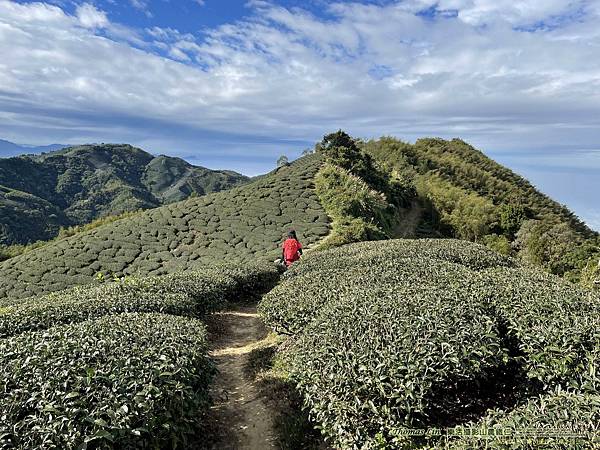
243 224
469 196
469 169
430 333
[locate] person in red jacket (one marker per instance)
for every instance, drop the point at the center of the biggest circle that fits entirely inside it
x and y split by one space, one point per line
292 249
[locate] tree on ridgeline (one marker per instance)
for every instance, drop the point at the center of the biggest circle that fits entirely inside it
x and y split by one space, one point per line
282 161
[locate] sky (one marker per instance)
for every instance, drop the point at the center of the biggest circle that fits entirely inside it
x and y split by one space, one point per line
234 84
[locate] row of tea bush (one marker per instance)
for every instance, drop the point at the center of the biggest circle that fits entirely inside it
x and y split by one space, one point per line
431 333
116 365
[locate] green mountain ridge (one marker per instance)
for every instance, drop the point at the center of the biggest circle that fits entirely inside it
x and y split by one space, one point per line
466 195
76 185
470 169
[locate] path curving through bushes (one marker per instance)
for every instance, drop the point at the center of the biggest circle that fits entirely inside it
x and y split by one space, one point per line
240 417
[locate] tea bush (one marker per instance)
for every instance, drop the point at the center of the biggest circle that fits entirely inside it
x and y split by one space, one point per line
129 381
556 324
243 224
327 275
470 255
554 421
386 357
428 333
191 294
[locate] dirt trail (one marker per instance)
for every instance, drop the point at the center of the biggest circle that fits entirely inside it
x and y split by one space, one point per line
240 416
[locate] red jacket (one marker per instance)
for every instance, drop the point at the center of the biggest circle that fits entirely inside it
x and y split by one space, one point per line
291 251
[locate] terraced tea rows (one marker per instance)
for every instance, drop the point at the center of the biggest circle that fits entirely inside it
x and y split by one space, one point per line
433 333
243 224
121 365
192 294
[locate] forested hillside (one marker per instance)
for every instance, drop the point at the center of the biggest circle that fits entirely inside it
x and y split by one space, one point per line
466 195
40 194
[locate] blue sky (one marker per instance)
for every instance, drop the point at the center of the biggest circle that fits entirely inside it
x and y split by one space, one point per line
234 84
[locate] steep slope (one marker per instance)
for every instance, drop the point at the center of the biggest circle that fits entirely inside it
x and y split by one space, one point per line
242 224
467 195
92 181
22 214
467 168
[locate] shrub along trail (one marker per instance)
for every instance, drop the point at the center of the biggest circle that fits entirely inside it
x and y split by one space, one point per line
240 415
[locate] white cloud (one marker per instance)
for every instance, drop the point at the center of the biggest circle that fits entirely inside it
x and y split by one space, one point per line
515 12
142 5
91 17
371 69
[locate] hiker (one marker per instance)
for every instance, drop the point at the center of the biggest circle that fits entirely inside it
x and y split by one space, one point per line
292 249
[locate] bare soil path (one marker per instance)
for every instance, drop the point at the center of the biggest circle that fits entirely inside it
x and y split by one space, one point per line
240 417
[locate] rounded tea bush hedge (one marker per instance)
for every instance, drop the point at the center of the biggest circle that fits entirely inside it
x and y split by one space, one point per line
314 281
430 333
192 294
129 381
557 421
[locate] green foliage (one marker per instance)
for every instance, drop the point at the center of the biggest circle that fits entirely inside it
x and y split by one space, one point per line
73 230
316 279
511 218
348 230
553 421
548 243
590 275
131 381
243 224
362 199
358 211
26 218
395 334
192 294
467 195
556 325
501 244
346 195
10 251
341 150
468 215
73 186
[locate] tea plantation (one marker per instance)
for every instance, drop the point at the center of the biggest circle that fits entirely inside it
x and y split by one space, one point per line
243 224
115 366
384 338
427 334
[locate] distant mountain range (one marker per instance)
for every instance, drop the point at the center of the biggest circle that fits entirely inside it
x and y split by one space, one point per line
8 149
75 185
